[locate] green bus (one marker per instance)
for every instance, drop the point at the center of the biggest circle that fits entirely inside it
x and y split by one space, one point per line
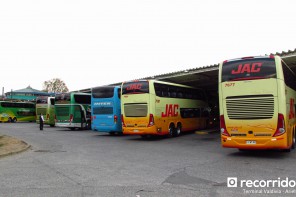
72 110
45 106
12 111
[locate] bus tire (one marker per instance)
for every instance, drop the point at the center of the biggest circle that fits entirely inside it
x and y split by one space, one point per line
172 130
72 128
9 119
178 129
14 119
112 133
52 125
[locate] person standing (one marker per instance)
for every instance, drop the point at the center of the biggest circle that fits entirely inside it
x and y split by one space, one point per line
41 121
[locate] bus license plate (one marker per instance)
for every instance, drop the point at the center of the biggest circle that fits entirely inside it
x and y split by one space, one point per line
136 130
250 142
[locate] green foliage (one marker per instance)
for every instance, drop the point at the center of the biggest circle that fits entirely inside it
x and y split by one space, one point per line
55 85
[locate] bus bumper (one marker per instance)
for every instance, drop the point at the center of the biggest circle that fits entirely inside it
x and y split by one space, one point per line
68 125
279 142
107 129
143 131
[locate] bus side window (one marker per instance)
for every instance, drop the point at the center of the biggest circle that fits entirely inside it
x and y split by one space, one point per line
205 113
180 93
119 93
165 91
173 92
198 113
158 90
188 94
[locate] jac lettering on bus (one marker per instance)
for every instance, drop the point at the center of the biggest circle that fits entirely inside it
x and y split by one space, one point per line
171 110
136 86
248 68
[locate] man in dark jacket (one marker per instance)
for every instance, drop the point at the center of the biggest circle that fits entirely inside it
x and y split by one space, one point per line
41 120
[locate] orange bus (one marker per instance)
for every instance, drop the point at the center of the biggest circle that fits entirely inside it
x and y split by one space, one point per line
151 107
257 103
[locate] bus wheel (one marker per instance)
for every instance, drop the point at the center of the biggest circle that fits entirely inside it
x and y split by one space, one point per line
112 133
52 125
72 128
178 130
14 119
9 119
172 130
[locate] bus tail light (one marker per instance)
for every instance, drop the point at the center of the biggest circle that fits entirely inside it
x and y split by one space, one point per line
71 117
122 120
115 119
280 130
223 126
151 120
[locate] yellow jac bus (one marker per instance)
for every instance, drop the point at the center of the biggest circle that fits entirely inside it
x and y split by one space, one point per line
152 107
45 106
257 103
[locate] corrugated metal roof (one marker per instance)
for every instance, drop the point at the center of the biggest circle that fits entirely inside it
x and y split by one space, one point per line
207 76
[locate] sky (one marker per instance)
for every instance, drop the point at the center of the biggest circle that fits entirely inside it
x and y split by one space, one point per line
88 43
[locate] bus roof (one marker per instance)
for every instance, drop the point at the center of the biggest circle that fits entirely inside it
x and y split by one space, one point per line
161 82
249 57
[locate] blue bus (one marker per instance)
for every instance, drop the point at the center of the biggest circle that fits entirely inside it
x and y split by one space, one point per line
106 110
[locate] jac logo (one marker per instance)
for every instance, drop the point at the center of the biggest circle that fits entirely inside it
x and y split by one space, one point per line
136 86
247 68
171 110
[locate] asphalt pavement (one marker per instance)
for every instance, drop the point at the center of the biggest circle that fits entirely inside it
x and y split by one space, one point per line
61 162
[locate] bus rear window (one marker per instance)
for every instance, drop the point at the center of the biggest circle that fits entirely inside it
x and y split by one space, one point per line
52 101
41 100
139 87
103 92
249 69
82 98
102 110
62 98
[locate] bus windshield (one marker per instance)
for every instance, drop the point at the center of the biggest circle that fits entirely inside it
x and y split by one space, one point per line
103 92
41 100
62 98
249 69
139 87
82 98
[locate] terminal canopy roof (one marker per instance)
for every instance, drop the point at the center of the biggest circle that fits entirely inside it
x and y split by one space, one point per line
207 77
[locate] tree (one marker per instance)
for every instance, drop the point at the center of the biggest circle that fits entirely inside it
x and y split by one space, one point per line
55 85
